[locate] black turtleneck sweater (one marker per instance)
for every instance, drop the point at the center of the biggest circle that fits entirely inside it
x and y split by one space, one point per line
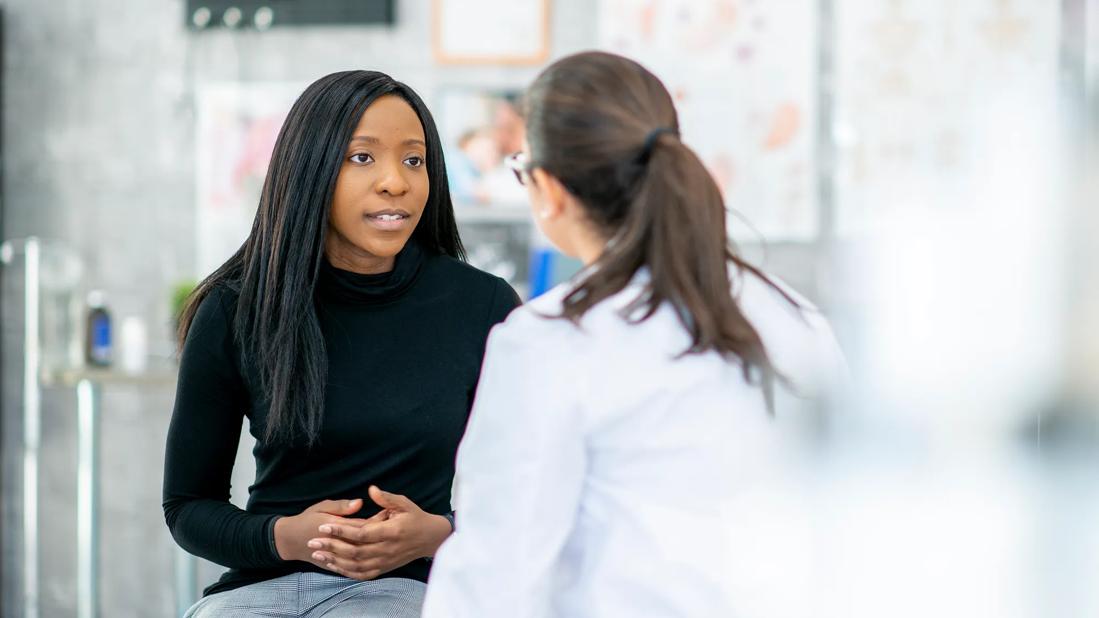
404 354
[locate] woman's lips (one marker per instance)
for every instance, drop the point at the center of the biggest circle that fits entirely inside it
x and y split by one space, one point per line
389 220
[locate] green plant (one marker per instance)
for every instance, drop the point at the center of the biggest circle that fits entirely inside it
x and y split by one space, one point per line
180 292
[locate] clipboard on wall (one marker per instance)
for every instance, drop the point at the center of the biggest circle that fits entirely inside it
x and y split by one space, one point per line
509 32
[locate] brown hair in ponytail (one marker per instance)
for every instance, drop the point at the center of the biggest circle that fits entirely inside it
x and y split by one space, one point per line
606 128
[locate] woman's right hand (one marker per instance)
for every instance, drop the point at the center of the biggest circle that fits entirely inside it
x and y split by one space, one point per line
293 532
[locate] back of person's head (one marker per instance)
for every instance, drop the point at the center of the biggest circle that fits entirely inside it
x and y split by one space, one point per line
606 129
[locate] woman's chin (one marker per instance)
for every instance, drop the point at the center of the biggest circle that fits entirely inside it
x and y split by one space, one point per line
384 248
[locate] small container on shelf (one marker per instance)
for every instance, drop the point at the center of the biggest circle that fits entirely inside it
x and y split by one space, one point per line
98 350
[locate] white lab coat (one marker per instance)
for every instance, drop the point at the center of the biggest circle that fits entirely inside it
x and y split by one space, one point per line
598 471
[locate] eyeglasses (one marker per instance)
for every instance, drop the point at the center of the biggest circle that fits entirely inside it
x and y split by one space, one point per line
520 164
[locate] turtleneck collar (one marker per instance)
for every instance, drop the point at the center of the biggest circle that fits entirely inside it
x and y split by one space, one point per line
347 286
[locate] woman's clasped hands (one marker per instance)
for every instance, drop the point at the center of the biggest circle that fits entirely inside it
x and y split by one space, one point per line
326 535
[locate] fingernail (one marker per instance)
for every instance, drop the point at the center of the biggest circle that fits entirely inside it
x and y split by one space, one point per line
318 556
330 566
315 544
326 529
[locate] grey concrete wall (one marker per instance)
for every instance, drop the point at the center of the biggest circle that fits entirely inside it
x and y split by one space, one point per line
98 152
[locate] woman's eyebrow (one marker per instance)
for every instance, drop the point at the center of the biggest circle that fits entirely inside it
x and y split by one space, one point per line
369 139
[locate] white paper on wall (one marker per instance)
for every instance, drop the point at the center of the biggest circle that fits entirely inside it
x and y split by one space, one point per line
742 75
491 29
914 81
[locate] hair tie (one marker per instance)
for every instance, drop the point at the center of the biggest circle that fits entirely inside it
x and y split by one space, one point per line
650 141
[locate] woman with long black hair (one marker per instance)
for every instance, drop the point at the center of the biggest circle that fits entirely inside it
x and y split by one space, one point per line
622 416
349 332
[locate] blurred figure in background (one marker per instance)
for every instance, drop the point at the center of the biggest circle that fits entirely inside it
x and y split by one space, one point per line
477 156
619 415
508 127
477 172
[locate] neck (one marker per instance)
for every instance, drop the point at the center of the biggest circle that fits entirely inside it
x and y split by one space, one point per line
356 260
588 245
589 255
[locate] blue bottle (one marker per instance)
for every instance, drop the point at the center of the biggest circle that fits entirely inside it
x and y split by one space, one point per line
98 348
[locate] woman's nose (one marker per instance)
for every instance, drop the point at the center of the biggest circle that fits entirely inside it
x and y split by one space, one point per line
392 181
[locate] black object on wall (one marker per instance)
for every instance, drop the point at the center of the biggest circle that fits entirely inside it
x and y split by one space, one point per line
264 14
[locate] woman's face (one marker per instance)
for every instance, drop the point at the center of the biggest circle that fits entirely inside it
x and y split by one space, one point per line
382 187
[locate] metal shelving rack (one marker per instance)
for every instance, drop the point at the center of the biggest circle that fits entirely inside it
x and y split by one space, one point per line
58 364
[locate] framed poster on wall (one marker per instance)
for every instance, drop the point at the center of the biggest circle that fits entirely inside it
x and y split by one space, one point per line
916 87
742 77
490 31
237 124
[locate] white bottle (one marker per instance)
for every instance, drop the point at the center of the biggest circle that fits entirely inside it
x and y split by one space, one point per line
134 345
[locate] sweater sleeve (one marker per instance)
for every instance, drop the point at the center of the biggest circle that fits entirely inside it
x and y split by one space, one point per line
202 443
504 301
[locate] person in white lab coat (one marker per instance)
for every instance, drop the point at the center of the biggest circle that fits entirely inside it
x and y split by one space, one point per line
616 414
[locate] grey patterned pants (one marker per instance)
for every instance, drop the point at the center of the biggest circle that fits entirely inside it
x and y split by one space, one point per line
311 595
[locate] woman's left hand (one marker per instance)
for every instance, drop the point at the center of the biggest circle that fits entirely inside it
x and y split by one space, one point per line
368 549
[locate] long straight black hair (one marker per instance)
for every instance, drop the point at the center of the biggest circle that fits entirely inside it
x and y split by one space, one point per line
607 129
276 269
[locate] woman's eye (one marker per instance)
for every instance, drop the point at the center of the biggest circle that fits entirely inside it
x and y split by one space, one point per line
361 157
415 161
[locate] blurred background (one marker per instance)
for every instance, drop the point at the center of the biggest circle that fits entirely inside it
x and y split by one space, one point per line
926 172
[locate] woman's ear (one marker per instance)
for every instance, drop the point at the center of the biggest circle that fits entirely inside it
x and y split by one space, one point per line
554 194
